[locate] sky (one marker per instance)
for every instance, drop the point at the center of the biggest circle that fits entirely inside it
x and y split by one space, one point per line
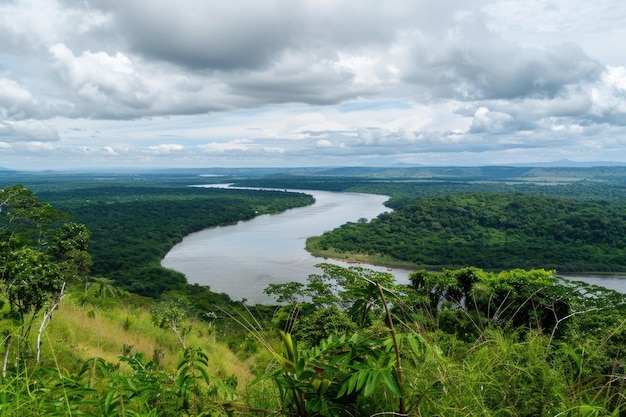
300 83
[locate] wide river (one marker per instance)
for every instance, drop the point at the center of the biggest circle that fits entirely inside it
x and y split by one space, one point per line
241 260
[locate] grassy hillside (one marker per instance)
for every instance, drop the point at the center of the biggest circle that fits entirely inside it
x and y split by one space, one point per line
125 326
518 351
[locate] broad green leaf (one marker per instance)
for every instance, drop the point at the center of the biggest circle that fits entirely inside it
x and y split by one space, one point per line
390 377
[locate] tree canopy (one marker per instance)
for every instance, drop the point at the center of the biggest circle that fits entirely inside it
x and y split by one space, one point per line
492 231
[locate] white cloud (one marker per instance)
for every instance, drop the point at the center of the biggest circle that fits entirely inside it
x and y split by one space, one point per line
609 95
154 82
102 80
218 147
486 121
323 143
95 151
27 131
16 102
36 147
164 149
381 136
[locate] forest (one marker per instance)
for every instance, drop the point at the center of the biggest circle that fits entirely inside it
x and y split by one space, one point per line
92 325
491 231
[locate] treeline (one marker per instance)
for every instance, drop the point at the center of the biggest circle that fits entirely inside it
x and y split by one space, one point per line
407 190
133 227
492 231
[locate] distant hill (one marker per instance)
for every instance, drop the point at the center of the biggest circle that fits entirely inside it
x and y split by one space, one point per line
303 177
569 163
6 172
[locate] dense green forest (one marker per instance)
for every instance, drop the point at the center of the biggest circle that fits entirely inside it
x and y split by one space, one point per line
492 231
82 338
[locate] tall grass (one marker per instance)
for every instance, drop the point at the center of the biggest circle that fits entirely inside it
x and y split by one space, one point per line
79 332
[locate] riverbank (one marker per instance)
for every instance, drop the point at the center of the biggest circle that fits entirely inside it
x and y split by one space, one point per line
312 246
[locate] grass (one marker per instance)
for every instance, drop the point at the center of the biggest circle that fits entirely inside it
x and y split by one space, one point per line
312 246
80 332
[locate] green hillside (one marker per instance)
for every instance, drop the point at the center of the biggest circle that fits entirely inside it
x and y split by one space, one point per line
491 231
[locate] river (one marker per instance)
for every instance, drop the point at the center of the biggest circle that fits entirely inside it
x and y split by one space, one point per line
241 260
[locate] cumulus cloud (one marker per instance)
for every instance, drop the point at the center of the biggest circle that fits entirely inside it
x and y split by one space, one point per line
323 143
164 149
31 131
101 81
171 57
382 136
16 101
486 121
609 95
221 147
37 147
394 79
96 150
100 85
243 35
473 63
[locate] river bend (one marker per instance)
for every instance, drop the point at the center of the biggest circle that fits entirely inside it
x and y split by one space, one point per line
241 260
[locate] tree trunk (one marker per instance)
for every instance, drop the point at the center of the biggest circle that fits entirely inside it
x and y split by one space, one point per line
7 345
47 315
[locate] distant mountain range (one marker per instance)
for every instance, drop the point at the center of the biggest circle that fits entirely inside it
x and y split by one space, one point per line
572 164
562 163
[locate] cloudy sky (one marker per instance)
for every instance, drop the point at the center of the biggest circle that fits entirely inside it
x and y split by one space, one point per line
201 83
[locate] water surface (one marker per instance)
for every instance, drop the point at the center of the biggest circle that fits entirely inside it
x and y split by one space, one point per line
243 259
612 282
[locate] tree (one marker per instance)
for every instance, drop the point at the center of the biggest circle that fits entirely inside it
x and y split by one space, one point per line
315 327
102 288
516 298
351 291
289 292
30 279
69 250
23 218
171 313
40 252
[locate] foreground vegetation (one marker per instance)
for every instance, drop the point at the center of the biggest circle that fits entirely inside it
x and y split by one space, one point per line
347 342
521 343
